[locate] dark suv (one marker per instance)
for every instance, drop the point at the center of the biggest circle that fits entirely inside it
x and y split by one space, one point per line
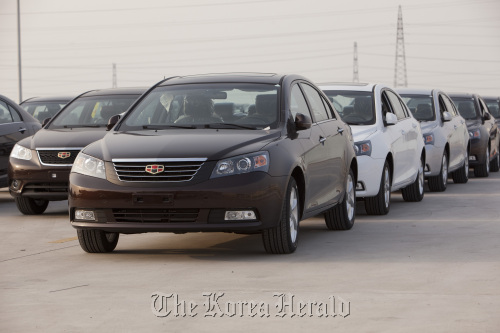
252 153
39 166
493 104
483 133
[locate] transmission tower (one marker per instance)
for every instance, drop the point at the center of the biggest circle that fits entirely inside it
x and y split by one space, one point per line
400 67
355 74
114 75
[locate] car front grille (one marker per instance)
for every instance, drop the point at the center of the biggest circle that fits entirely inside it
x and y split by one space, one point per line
155 215
161 170
57 157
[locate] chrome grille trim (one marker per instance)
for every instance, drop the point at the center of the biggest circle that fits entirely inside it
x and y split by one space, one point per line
175 169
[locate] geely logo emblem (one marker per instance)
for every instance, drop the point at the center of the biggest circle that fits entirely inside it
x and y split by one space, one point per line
154 169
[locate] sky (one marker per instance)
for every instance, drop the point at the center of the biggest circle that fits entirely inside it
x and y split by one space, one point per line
69 47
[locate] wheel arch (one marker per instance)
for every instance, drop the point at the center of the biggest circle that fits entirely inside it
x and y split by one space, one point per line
390 159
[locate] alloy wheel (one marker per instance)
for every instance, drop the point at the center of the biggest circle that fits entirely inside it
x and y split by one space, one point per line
351 198
294 215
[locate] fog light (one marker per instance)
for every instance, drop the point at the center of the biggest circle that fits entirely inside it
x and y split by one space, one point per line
87 215
472 157
232 215
15 185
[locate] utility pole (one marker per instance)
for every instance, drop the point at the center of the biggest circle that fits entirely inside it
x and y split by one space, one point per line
114 75
355 74
19 51
400 79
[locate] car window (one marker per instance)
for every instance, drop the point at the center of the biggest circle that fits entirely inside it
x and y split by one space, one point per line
421 106
396 105
448 105
298 102
92 111
354 107
210 105
42 110
5 116
386 106
494 107
329 108
15 115
317 106
466 107
483 106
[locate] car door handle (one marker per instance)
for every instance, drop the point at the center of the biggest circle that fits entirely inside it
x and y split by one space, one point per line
455 126
340 130
414 125
403 132
322 140
22 130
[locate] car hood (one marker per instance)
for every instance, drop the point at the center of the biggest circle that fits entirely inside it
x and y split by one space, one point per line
473 123
66 138
200 143
361 133
427 126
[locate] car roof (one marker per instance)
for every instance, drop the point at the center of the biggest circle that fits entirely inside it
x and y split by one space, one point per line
461 94
492 97
349 86
48 99
116 91
266 78
413 91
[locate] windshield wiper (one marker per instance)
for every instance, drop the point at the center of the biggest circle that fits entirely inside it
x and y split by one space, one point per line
229 125
157 127
78 126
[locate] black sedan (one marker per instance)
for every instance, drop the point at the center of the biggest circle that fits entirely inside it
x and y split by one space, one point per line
15 124
251 153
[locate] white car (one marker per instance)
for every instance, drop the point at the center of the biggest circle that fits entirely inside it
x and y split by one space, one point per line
445 135
388 143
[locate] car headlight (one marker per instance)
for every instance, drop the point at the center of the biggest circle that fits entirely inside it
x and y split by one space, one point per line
475 134
21 152
242 164
89 166
429 139
363 148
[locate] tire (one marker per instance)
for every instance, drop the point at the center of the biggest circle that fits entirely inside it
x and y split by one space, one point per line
97 241
415 191
461 176
283 238
342 215
495 164
381 203
30 206
438 183
483 170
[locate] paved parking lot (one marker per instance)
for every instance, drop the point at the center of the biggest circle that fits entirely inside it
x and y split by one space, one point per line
432 266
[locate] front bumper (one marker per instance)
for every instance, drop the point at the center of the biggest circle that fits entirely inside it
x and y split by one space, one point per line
369 176
477 154
29 178
190 208
433 159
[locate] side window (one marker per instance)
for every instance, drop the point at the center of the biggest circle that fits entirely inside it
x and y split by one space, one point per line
15 115
328 108
5 116
386 106
317 106
484 108
396 105
298 103
449 105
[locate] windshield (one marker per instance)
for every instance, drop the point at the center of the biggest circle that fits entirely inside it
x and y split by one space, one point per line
42 110
421 106
354 107
93 111
494 107
228 105
466 107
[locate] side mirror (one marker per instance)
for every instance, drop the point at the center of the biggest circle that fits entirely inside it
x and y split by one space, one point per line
302 122
446 116
487 116
390 119
112 122
45 121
